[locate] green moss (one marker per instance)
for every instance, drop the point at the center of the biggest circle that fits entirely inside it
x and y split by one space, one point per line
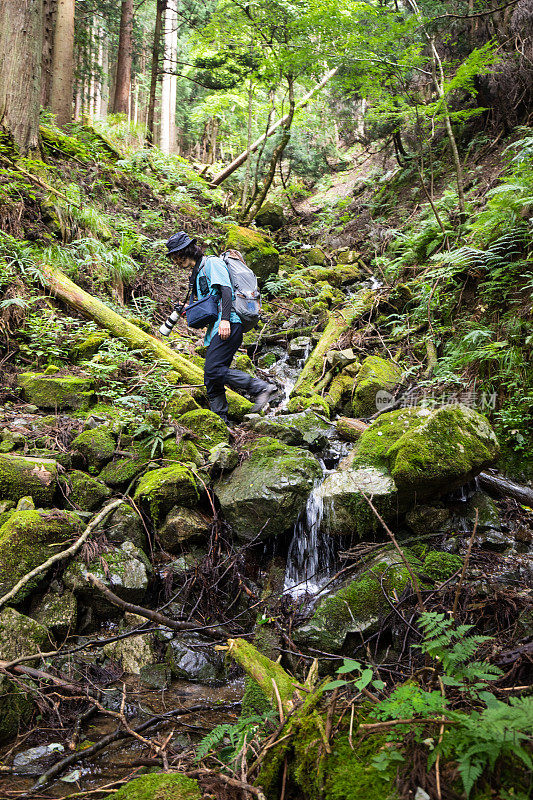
160 786
48 391
180 403
350 774
319 308
16 708
84 491
95 447
58 612
375 443
86 347
120 473
260 254
21 476
439 565
29 538
376 374
184 451
207 426
254 700
314 401
161 489
244 363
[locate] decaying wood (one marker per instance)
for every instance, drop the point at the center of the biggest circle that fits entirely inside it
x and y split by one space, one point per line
213 632
506 488
66 290
340 321
350 429
70 551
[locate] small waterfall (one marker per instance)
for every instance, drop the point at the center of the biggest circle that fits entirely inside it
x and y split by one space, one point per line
311 556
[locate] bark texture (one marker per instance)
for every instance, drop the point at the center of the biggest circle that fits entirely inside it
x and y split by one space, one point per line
21 33
156 53
124 58
63 63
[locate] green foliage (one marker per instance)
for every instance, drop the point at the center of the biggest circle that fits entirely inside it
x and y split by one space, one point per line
277 286
227 741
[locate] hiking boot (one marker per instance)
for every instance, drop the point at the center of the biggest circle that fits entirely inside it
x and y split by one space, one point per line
262 399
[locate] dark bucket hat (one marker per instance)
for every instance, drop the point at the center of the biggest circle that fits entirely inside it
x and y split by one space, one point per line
178 241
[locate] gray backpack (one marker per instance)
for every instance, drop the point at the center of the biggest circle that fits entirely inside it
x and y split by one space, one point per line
247 303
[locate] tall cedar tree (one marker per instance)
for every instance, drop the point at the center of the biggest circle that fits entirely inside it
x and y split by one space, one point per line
63 63
124 59
156 52
21 33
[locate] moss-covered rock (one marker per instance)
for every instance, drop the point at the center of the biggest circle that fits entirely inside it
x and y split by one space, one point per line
269 490
28 539
438 566
183 525
244 363
207 426
314 401
355 607
124 524
120 473
57 612
133 654
222 457
125 570
50 391
428 519
21 476
180 403
85 347
161 489
271 216
488 516
160 786
302 429
85 492
315 256
376 374
93 448
184 451
11 440
261 256
19 636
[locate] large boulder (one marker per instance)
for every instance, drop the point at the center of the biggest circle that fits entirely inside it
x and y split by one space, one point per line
84 491
183 525
207 427
19 636
404 457
58 393
22 476
261 256
159 490
28 539
93 448
268 492
271 216
376 375
355 607
125 570
303 429
160 786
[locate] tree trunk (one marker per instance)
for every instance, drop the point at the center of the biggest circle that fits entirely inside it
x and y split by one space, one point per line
63 288
156 51
63 63
124 59
236 163
339 322
49 15
21 34
168 89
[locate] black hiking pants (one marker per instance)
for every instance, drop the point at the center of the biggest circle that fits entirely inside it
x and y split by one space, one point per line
218 375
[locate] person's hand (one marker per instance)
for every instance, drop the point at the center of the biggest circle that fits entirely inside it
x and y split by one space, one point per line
224 329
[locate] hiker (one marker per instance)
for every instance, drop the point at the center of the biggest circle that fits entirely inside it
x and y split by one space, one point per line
223 337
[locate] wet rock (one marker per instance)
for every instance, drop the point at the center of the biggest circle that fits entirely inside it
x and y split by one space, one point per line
428 519
192 659
21 476
206 425
184 451
345 509
155 676
93 448
269 490
493 540
160 786
28 539
376 374
222 457
83 491
271 216
123 525
301 429
261 256
133 654
439 566
299 348
180 403
57 611
11 440
124 570
51 391
20 635
161 489
183 525
37 759
488 514
355 607
267 360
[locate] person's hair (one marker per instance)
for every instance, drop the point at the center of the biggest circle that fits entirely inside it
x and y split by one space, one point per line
191 251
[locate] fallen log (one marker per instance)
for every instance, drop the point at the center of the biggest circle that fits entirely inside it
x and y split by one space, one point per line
506 488
339 322
350 429
66 290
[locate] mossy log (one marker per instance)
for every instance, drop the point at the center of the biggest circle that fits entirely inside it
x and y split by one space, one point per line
350 429
339 322
66 290
276 684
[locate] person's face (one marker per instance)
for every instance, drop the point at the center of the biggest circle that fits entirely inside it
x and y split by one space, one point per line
182 261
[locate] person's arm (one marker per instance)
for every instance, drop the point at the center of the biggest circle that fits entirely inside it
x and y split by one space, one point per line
225 293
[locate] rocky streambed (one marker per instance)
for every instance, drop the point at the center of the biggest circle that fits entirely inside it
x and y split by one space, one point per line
276 530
